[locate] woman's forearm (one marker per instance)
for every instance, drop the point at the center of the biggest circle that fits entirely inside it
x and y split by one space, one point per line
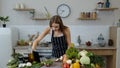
34 45
40 37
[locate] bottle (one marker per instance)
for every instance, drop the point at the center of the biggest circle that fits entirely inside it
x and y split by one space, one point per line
79 40
81 15
30 57
94 15
88 15
84 15
107 4
30 54
101 40
110 42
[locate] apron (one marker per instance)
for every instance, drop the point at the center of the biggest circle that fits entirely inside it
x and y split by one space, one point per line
59 45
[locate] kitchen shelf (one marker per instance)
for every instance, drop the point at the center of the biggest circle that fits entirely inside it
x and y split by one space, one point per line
32 11
106 9
40 18
26 9
87 18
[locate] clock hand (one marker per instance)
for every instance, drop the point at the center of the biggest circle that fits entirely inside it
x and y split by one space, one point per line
62 11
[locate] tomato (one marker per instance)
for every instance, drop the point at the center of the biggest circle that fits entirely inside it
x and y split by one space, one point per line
65 65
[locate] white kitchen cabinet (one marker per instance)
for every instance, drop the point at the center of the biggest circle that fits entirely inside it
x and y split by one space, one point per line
8 38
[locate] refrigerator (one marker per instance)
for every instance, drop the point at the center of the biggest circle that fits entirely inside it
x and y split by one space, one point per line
8 38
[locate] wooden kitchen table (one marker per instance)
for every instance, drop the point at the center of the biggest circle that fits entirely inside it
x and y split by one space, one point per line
55 65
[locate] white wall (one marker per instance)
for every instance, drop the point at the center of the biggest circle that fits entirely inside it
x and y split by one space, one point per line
17 18
0 7
22 20
87 33
77 6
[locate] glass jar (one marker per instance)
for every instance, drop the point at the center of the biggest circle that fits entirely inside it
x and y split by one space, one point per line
94 15
30 57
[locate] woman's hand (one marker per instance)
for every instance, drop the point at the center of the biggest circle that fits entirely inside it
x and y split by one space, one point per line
69 47
72 45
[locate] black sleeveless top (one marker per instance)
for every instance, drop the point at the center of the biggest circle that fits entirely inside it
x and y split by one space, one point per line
59 45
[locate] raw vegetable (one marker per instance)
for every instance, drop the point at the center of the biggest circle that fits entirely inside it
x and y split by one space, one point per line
83 53
76 65
65 58
69 61
97 59
28 64
85 60
66 65
72 53
48 62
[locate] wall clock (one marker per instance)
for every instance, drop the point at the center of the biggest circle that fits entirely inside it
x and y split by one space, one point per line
63 10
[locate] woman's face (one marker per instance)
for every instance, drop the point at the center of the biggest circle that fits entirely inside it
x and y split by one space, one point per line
55 26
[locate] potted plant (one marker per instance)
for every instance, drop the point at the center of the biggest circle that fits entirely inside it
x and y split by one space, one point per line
4 19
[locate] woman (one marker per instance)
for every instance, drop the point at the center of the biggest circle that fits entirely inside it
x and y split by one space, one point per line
60 36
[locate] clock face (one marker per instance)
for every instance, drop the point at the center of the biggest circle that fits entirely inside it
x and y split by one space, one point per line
63 10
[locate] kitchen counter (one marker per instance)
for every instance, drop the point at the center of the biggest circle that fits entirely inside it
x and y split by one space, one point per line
94 47
107 51
79 47
48 50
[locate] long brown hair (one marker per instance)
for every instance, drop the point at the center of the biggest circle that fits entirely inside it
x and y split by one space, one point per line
57 19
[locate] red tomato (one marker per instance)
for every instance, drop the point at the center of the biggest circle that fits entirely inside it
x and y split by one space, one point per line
65 65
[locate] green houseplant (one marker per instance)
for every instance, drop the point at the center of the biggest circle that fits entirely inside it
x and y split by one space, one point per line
4 19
